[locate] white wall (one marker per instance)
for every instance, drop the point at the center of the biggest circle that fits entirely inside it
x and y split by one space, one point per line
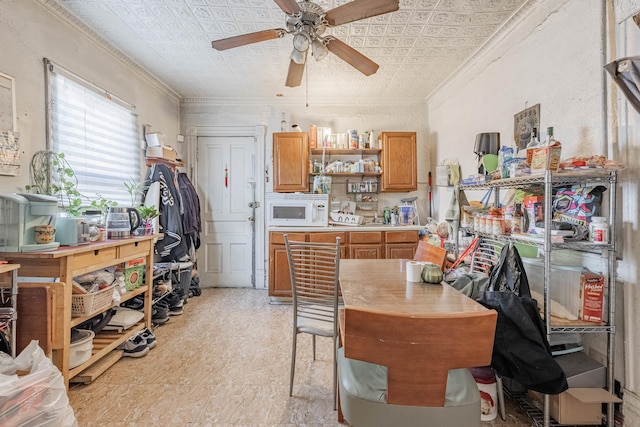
554 56
29 33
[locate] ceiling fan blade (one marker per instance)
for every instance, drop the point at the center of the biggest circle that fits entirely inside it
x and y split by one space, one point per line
245 39
360 9
290 7
294 76
352 56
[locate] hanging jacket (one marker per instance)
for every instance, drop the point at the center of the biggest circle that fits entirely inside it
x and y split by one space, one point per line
172 246
191 222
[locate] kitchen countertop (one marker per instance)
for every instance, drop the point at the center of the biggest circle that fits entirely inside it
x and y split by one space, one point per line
366 227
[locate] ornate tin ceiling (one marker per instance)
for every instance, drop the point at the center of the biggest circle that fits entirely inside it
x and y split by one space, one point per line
417 47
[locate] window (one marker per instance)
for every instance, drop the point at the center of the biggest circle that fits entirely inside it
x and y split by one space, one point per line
96 131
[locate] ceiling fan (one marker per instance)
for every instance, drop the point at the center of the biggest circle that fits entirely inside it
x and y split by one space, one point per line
308 22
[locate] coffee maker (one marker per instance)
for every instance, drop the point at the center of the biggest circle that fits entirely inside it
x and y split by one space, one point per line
486 143
19 216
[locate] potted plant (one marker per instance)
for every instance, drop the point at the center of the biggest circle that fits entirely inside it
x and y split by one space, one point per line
134 188
52 175
147 214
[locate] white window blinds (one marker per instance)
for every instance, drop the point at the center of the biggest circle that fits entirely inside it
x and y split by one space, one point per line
97 133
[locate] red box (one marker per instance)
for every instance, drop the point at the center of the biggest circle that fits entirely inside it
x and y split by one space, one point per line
591 296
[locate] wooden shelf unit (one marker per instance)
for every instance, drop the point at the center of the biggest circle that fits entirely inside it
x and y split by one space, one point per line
70 261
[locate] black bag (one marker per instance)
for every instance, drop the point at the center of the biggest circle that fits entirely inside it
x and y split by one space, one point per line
521 350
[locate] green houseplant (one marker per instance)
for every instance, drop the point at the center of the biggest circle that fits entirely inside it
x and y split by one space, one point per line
52 175
147 214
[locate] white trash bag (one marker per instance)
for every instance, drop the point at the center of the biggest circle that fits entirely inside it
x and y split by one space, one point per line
38 398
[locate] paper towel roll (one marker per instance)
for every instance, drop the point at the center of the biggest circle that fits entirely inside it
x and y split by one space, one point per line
414 271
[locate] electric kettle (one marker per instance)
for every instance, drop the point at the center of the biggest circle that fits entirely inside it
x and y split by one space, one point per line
122 222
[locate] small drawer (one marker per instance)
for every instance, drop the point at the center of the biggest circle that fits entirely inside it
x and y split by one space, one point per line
134 248
328 237
278 238
97 257
365 237
407 236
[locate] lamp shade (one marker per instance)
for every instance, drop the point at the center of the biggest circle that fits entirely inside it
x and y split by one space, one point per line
487 143
298 56
319 49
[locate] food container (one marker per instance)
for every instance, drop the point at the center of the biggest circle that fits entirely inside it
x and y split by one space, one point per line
80 349
346 219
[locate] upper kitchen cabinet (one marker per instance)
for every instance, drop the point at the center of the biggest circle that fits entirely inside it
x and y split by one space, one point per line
399 161
290 162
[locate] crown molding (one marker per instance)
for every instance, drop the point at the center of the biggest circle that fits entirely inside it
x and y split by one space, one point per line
77 24
297 101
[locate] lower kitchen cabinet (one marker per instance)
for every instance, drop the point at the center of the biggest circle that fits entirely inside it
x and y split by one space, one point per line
400 244
353 244
366 245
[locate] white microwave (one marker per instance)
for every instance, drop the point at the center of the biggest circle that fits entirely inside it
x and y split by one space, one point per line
297 210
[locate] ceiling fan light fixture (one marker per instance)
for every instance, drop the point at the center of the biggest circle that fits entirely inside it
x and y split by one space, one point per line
319 49
301 41
298 56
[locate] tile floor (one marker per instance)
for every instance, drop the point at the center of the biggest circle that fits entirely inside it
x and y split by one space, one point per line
224 362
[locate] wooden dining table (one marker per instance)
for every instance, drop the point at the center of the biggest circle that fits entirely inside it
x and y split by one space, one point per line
381 285
417 330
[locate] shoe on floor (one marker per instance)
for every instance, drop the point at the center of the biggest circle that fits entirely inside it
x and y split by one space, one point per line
160 312
149 337
135 346
176 310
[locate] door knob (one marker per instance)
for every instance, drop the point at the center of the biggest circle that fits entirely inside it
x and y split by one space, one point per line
251 218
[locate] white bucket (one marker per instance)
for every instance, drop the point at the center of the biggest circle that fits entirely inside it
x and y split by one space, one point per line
80 350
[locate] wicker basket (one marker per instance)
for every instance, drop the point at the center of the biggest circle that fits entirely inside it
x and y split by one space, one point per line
86 304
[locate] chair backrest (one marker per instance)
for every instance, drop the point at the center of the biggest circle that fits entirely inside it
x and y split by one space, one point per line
485 255
314 269
431 253
419 351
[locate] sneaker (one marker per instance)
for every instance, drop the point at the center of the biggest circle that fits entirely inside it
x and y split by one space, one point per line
160 312
135 346
149 337
176 310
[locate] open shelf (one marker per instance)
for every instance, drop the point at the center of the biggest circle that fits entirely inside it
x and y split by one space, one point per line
347 152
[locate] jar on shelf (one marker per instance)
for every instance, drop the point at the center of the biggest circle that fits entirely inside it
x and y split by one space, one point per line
599 230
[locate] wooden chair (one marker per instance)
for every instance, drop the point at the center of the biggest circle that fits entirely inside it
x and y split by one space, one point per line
408 371
314 269
431 253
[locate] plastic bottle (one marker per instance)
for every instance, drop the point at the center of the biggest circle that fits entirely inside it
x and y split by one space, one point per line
599 230
387 216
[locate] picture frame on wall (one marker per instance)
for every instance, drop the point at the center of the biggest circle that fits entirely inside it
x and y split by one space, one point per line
523 124
9 140
7 103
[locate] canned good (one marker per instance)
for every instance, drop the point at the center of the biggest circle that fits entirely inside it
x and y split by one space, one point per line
498 226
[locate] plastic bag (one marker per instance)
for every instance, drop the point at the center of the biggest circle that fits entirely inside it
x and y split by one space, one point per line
38 398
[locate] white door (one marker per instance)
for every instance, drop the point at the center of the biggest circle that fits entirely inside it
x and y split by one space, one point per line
226 170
